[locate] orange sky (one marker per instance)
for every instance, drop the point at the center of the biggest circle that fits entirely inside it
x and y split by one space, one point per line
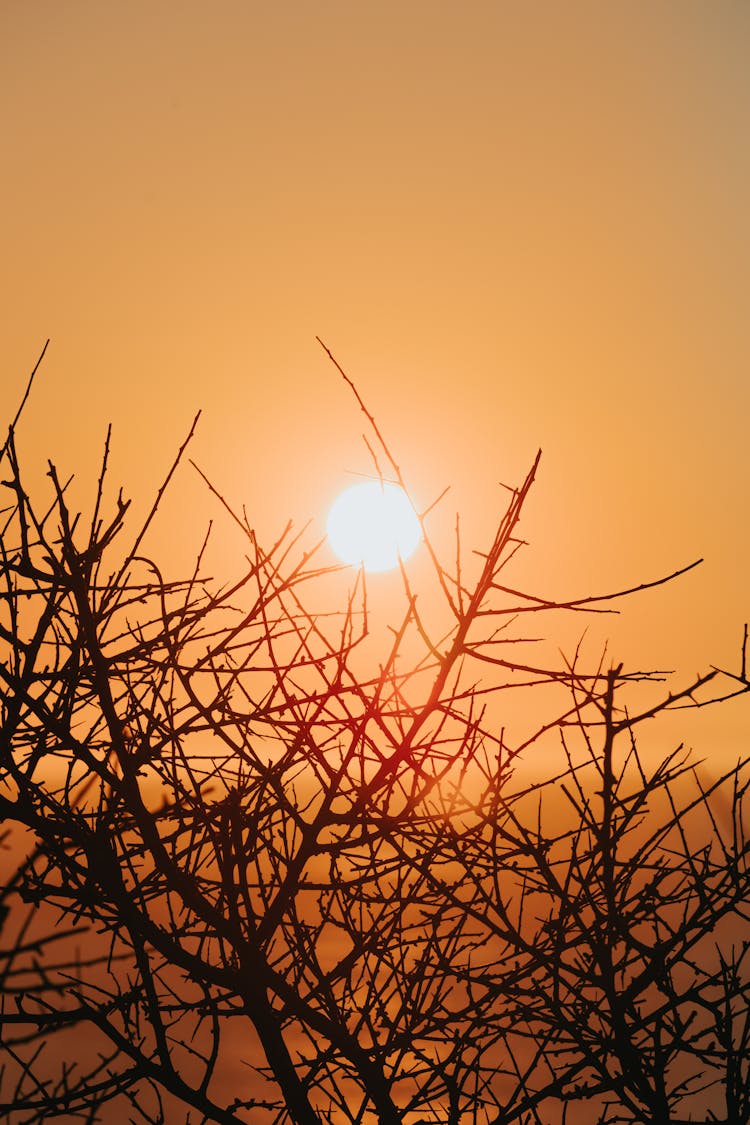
516 225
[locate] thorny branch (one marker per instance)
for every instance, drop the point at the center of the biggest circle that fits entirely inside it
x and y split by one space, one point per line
268 872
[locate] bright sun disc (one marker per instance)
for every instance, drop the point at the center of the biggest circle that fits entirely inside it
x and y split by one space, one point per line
373 525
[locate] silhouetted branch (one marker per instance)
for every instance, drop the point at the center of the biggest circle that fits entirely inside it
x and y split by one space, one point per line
269 867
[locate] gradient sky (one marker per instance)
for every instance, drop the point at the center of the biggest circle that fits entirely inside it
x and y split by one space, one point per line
516 225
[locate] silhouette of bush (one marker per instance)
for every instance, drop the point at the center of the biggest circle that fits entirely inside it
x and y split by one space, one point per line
264 869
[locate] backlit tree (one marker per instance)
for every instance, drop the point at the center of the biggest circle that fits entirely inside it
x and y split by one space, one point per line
264 866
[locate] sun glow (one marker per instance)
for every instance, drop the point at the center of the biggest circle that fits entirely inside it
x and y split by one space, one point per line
373 524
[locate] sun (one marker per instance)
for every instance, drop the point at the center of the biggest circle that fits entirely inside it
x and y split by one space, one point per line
373 524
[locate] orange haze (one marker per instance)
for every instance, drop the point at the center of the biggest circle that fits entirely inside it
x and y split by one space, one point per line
514 225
